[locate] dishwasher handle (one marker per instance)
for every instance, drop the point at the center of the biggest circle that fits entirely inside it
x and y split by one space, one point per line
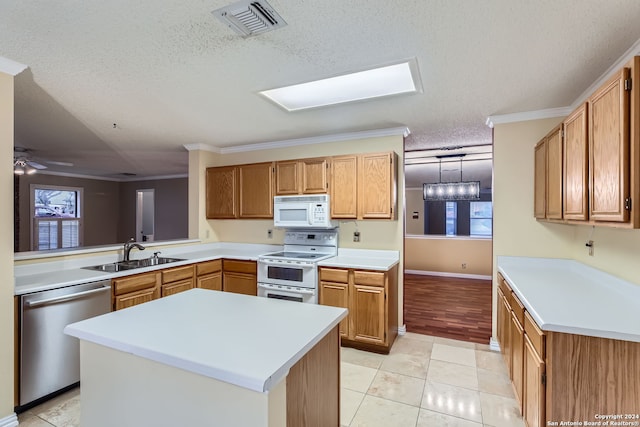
46 301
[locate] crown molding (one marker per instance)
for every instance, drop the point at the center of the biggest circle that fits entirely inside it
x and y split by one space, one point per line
112 179
202 147
348 136
528 115
11 67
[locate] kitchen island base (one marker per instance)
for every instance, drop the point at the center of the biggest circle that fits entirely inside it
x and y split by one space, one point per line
119 388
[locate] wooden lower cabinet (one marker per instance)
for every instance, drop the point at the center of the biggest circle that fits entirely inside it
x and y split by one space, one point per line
136 289
517 354
177 279
239 276
533 408
209 275
371 298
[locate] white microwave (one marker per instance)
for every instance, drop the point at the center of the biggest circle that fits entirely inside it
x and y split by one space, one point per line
302 211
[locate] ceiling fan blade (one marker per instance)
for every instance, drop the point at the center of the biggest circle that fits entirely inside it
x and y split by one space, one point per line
35 165
51 162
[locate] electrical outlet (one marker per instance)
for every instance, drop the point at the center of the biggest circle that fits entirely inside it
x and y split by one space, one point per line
589 244
270 234
356 236
464 265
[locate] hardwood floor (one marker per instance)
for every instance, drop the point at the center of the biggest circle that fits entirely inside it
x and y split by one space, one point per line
448 307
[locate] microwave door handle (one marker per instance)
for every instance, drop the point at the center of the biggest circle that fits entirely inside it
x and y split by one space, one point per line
309 212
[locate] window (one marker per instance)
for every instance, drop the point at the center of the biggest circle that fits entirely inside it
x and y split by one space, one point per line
451 218
481 218
57 222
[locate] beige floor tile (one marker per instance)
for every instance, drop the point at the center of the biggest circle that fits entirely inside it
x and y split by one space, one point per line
65 414
498 411
483 347
362 358
419 337
455 343
396 387
349 403
56 401
377 412
491 361
428 418
406 364
415 347
447 353
494 383
27 419
356 377
453 374
451 400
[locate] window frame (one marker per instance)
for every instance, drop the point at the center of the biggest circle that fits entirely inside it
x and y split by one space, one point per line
35 221
472 218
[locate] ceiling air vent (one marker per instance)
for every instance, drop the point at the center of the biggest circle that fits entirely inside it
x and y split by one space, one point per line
248 18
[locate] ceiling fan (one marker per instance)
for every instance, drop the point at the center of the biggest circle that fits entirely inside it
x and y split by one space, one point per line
23 162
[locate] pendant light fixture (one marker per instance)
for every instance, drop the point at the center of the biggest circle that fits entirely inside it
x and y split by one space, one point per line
442 191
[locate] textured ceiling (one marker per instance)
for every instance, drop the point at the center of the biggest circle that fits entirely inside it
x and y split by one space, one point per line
169 73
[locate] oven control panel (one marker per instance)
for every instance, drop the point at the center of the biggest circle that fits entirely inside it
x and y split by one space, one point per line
311 237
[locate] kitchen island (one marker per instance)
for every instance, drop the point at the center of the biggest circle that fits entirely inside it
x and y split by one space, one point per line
204 357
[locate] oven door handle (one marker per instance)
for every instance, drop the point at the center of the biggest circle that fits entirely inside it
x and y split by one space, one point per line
294 291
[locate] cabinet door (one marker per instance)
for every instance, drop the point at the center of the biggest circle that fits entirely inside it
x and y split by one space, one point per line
221 200
502 316
576 172
368 314
376 186
313 176
344 187
287 179
211 281
506 321
336 295
517 354
240 283
135 298
554 175
540 180
176 287
256 190
609 150
534 387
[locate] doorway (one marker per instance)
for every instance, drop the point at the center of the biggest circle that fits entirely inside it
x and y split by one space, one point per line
145 215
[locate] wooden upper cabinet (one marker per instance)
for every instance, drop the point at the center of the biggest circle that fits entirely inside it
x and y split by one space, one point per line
576 172
540 180
344 187
222 192
304 176
377 178
256 188
553 205
609 146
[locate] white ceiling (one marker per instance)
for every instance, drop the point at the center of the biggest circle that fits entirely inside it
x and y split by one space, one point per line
168 73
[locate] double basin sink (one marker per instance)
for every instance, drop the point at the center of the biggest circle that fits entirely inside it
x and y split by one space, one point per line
132 264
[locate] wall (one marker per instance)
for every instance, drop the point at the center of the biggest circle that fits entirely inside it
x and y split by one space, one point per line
447 254
414 203
100 207
6 247
171 208
374 234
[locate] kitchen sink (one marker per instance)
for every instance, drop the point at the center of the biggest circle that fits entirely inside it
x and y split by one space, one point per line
132 264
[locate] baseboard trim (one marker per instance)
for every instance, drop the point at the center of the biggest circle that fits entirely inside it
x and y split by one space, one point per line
402 330
446 274
9 421
494 345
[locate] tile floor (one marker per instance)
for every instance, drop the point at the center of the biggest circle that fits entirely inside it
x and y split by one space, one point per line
425 381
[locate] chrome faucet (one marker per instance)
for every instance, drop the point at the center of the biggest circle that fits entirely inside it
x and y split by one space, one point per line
130 245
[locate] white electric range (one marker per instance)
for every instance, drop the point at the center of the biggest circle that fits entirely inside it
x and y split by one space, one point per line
293 274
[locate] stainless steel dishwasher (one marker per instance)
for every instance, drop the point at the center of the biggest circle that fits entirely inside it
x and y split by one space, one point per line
49 359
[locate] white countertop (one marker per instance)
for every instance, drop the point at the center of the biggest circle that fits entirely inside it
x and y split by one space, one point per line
243 340
55 274
567 296
363 259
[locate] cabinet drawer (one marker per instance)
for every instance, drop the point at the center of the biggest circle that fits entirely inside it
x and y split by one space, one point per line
177 273
536 336
334 275
239 266
371 278
503 285
138 282
208 267
518 308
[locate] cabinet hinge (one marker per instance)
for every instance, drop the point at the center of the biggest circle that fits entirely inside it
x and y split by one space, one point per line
544 379
562 133
627 84
627 203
